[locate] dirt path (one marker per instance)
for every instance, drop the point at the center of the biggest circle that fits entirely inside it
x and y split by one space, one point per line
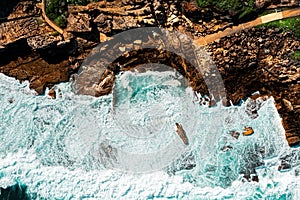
209 38
49 22
258 21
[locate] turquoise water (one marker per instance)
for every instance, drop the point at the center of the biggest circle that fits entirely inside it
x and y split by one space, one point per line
124 145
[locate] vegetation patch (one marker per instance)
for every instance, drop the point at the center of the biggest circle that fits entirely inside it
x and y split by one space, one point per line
289 24
57 11
80 2
238 8
296 55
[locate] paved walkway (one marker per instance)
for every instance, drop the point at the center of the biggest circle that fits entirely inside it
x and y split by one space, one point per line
213 37
258 21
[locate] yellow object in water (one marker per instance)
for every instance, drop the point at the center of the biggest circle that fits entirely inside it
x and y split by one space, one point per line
248 131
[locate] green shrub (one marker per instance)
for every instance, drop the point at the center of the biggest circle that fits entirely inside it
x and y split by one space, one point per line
241 8
202 3
57 11
54 33
296 55
289 24
61 21
80 2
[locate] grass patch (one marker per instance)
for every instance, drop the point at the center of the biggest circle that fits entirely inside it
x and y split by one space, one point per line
80 2
296 55
289 24
242 8
57 11
54 33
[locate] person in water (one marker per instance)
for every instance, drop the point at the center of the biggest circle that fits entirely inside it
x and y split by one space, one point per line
182 134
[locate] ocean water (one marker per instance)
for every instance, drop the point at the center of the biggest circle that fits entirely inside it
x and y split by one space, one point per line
124 145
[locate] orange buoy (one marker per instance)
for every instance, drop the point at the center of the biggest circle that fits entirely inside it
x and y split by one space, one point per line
248 131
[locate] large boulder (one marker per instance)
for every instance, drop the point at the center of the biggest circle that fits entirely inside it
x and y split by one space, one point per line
79 23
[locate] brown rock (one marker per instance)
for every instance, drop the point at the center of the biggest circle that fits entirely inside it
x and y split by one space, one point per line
226 148
14 30
52 94
288 104
180 131
235 134
284 165
295 140
11 100
79 23
42 41
103 37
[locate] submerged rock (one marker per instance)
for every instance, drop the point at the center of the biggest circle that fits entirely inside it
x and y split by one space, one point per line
284 166
14 192
235 134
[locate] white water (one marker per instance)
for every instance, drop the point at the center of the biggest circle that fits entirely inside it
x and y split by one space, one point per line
73 147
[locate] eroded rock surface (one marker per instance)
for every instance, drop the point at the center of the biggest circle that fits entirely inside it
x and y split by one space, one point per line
261 60
250 61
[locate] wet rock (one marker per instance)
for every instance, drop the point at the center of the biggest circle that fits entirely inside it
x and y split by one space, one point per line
261 61
251 177
254 103
11 100
105 84
284 166
226 148
235 134
294 140
249 61
185 162
181 133
52 94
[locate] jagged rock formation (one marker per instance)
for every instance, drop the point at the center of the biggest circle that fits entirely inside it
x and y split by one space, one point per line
79 23
19 24
274 4
260 60
256 59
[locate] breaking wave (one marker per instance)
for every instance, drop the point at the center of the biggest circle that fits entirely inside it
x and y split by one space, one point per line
124 145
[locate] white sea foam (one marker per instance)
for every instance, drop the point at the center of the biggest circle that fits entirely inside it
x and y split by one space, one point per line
53 147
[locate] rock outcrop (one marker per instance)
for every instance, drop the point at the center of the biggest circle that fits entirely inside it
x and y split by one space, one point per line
261 60
249 61
79 23
42 41
14 30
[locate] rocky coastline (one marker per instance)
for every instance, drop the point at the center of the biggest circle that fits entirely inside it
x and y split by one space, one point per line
256 59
